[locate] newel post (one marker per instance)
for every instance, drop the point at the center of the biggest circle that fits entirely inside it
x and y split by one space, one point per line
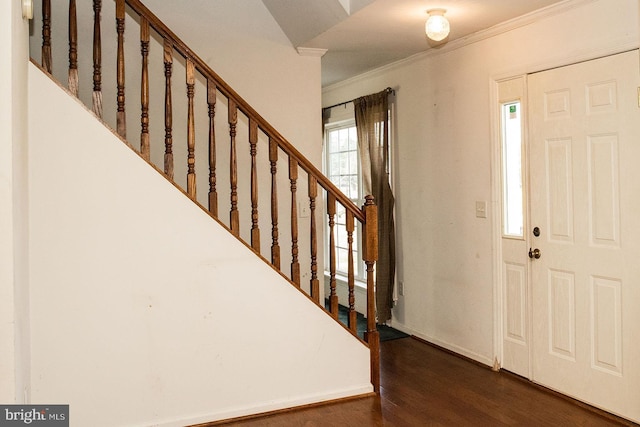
370 256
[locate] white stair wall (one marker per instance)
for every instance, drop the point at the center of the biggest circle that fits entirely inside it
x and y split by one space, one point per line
144 310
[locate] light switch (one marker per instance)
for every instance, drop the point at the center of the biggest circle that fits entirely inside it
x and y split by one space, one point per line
481 209
303 209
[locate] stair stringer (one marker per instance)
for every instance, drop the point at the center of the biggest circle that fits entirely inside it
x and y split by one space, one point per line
146 311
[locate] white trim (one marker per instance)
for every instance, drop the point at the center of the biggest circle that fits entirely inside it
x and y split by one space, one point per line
446 345
274 406
311 51
563 61
496 222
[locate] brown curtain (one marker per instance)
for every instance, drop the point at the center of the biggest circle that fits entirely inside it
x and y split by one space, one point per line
372 124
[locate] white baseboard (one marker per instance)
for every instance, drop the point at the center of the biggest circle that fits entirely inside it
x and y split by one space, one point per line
269 407
447 345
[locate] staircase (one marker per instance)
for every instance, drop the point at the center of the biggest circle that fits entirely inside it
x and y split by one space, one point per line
220 168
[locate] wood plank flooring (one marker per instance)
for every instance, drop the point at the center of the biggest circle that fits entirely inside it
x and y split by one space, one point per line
424 386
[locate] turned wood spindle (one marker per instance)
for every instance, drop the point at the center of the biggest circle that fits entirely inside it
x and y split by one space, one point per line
97 59
211 102
253 150
168 109
121 118
234 216
275 246
191 132
314 282
333 296
353 315
73 49
144 90
46 35
295 264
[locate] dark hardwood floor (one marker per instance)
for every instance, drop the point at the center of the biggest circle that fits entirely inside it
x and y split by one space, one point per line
425 386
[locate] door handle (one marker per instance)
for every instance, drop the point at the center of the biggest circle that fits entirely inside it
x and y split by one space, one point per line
534 253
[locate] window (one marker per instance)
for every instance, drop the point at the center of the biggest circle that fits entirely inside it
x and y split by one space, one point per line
342 166
512 198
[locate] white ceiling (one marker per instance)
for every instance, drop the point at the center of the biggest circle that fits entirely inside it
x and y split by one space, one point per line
362 35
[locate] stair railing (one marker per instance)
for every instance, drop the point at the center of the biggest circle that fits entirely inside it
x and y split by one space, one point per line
242 119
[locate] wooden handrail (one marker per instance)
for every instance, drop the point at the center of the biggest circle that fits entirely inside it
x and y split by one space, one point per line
182 48
341 213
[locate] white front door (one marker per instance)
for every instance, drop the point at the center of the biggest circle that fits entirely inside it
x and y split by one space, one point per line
584 179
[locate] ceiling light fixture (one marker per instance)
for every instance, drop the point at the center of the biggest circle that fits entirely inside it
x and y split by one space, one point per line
437 26
27 9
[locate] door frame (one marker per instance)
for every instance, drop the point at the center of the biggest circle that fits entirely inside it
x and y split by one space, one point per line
497 190
496 181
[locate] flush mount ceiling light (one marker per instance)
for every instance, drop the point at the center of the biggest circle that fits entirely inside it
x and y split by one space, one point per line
27 9
437 26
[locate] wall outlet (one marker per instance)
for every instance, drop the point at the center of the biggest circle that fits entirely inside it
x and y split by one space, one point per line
401 288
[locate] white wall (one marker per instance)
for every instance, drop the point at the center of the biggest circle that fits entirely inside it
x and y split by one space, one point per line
145 310
14 323
443 159
243 44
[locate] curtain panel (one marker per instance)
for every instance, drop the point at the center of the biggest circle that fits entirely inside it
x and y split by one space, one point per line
372 125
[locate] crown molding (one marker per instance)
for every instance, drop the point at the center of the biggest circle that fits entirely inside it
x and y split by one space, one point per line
476 37
311 51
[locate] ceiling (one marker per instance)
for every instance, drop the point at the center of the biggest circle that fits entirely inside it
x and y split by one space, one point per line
361 35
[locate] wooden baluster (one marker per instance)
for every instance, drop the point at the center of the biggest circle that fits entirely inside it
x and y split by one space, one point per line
370 256
295 265
314 282
73 48
333 296
234 216
253 141
121 118
168 109
191 132
46 35
97 59
144 90
213 194
353 315
275 246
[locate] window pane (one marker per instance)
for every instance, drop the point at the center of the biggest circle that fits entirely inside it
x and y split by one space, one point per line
342 259
344 163
334 165
353 139
343 169
333 141
343 139
353 162
512 197
344 185
356 239
340 214
341 236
